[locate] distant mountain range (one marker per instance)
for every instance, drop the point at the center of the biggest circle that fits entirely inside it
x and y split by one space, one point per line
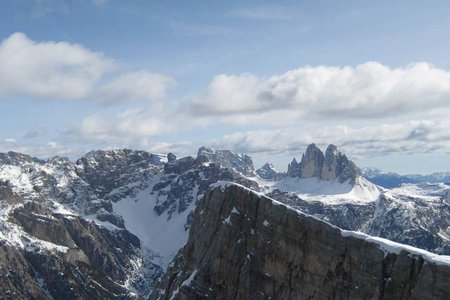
391 180
110 224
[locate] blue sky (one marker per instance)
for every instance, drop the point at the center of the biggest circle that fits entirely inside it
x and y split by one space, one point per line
262 77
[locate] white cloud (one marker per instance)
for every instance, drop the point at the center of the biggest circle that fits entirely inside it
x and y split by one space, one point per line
10 141
49 69
62 70
135 86
129 125
365 91
401 138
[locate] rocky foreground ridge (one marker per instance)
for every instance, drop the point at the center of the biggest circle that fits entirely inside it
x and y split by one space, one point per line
109 224
243 245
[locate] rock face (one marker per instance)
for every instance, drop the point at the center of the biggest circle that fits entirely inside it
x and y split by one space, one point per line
245 246
332 166
59 234
312 162
64 218
111 222
294 169
268 172
240 163
417 215
64 257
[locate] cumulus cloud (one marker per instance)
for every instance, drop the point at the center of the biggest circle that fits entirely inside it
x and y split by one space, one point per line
425 136
131 124
369 90
135 86
62 70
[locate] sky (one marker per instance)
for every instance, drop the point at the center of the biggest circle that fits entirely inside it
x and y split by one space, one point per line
265 78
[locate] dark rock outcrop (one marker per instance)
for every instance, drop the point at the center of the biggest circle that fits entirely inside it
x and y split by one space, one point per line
312 162
294 169
240 163
171 157
108 170
245 246
332 166
268 172
92 263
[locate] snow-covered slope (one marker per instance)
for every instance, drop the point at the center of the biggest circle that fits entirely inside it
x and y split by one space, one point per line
120 193
327 192
128 212
162 234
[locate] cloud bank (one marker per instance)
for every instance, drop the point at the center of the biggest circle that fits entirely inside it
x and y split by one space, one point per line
61 70
369 90
369 109
410 137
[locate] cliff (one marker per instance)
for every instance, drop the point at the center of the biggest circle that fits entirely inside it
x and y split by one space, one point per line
246 246
329 166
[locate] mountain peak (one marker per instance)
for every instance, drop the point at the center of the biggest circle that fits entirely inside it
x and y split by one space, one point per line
206 151
16 158
329 166
240 163
268 172
312 162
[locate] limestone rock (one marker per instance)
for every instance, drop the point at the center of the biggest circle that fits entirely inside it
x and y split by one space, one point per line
245 246
268 172
312 162
240 163
171 157
294 169
332 166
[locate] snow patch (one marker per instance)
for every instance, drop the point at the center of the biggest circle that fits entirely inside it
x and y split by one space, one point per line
392 247
154 231
329 192
188 281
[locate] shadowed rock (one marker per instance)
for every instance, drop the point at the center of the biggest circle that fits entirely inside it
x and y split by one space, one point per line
246 246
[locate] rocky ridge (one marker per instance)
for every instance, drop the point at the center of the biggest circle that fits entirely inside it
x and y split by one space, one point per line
142 205
66 213
240 163
268 172
245 246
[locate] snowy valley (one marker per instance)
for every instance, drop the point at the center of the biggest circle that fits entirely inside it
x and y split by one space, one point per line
110 224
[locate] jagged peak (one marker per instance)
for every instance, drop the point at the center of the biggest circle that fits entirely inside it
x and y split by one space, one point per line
206 151
16 158
121 155
268 165
171 157
329 166
332 149
241 163
268 172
